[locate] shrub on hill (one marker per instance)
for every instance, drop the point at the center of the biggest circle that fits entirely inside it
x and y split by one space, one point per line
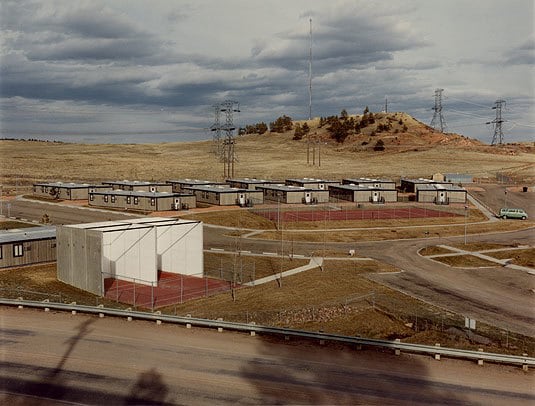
281 124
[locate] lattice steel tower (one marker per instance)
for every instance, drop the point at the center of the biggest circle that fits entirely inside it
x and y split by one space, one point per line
216 129
498 132
229 107
438 122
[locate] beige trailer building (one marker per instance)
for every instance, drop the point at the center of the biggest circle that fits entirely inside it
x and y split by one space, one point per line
144 201
251 183
312 183
441 194
133 250
224 195
412 185
27 246
294 194
181 185
139 185
371 182
364 193
66 191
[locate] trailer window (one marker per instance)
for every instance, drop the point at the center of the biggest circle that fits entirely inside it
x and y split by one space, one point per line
18 250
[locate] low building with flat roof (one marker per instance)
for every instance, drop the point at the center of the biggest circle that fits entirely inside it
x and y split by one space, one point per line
66 190
143 201
458 178
180 185
312 183
138 185
250 183
441 194
374 182
364 193
27 246
134 250
290 194
412 185
224 195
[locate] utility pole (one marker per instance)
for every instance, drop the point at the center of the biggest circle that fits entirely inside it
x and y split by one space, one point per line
438 122
498 131
386 104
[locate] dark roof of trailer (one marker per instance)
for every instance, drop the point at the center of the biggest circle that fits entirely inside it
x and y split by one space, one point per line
27 234
70 185
288 188
439 186
311 180
254 181
425 181
200 182
140 193
133 183
367 180
224 188
364 187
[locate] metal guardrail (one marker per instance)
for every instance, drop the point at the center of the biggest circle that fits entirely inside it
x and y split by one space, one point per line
524 361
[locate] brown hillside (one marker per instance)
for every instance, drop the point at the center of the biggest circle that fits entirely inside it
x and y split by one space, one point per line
412 152
398 131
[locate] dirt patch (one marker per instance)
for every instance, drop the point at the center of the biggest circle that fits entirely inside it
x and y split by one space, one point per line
466 261
10 225
518 257
434 250
481 246
394 232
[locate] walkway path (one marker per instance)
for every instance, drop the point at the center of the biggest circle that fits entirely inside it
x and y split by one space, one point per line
480 254
315 262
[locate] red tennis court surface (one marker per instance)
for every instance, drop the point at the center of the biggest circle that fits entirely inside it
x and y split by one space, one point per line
171 289
361 214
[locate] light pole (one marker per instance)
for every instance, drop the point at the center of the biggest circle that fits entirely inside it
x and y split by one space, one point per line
465 222
505 199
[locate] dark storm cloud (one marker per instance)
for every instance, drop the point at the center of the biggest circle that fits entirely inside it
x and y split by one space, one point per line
523 54
343 41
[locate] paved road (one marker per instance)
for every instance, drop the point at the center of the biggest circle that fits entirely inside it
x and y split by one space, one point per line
86 360
58 213
499 296
494 197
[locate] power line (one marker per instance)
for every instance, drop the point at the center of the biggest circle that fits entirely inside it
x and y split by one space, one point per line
466 101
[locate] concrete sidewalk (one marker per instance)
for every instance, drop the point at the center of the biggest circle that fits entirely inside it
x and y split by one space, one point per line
315 262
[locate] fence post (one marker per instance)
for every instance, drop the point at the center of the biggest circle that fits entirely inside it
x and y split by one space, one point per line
181 288
152 296
134 293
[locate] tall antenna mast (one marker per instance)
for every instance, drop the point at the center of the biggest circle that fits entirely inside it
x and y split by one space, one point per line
498 132
310 74
438 122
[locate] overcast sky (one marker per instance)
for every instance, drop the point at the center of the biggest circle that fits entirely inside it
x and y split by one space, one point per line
133 70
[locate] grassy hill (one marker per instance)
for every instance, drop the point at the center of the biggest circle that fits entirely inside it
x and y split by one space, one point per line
414 151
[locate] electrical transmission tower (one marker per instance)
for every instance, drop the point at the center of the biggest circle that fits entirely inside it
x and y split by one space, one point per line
438 121
216 128
224 148
229 107
498 132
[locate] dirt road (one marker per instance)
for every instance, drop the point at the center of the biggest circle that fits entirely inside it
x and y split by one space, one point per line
51 357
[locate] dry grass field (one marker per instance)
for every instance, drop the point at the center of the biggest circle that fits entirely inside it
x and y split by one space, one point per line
276 156
339 298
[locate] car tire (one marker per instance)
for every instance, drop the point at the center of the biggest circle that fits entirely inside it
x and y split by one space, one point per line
504 217
523 217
